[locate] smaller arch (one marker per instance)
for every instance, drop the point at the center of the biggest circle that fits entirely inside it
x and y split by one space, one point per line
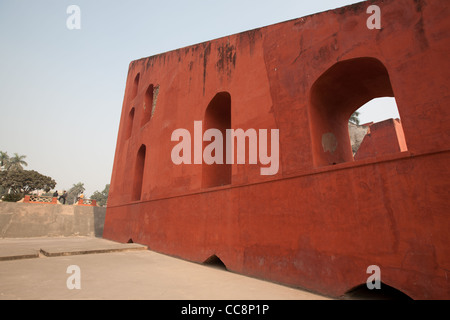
139 173
129 124
134 88
148 105
386 292
214 261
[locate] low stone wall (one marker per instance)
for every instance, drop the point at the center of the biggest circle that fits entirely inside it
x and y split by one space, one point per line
21 220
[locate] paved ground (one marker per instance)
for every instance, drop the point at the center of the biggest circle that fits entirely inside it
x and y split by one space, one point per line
36 268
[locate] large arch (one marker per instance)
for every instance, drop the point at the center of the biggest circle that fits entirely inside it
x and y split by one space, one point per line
334 96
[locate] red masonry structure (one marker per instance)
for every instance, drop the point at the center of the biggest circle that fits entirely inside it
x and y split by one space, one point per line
385 137
324 217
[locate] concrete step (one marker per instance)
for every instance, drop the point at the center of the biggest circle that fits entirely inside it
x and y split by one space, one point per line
27 248
17 253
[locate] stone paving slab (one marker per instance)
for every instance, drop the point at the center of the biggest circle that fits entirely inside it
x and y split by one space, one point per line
25 248
17 253
86 246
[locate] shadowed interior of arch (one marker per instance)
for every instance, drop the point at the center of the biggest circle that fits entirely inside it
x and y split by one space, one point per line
386 292
139 174
217 116
214 261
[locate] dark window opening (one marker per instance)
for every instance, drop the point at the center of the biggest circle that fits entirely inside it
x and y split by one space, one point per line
217 116
139 174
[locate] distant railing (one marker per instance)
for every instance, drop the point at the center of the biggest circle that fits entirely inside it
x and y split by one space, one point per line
54 200
87 202
40 199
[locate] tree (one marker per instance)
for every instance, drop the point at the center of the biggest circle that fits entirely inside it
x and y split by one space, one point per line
74 192
16 162
101 197
25 181
12 163
4 160
354 118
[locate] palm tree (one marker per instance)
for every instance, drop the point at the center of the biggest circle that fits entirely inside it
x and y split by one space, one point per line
16 162
4 159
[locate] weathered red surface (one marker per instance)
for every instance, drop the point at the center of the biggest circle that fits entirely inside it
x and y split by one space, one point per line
324 217
385 137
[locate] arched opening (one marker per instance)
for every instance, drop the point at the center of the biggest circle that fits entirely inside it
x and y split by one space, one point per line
139 174
217 116
378 130
214 261
130 240
134 88
386 292
148 105
335 96
129 126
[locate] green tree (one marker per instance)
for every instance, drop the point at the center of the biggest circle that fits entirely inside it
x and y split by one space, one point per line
101 197
25 181
74 192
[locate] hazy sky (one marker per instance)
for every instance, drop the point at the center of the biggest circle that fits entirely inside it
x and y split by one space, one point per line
61 90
